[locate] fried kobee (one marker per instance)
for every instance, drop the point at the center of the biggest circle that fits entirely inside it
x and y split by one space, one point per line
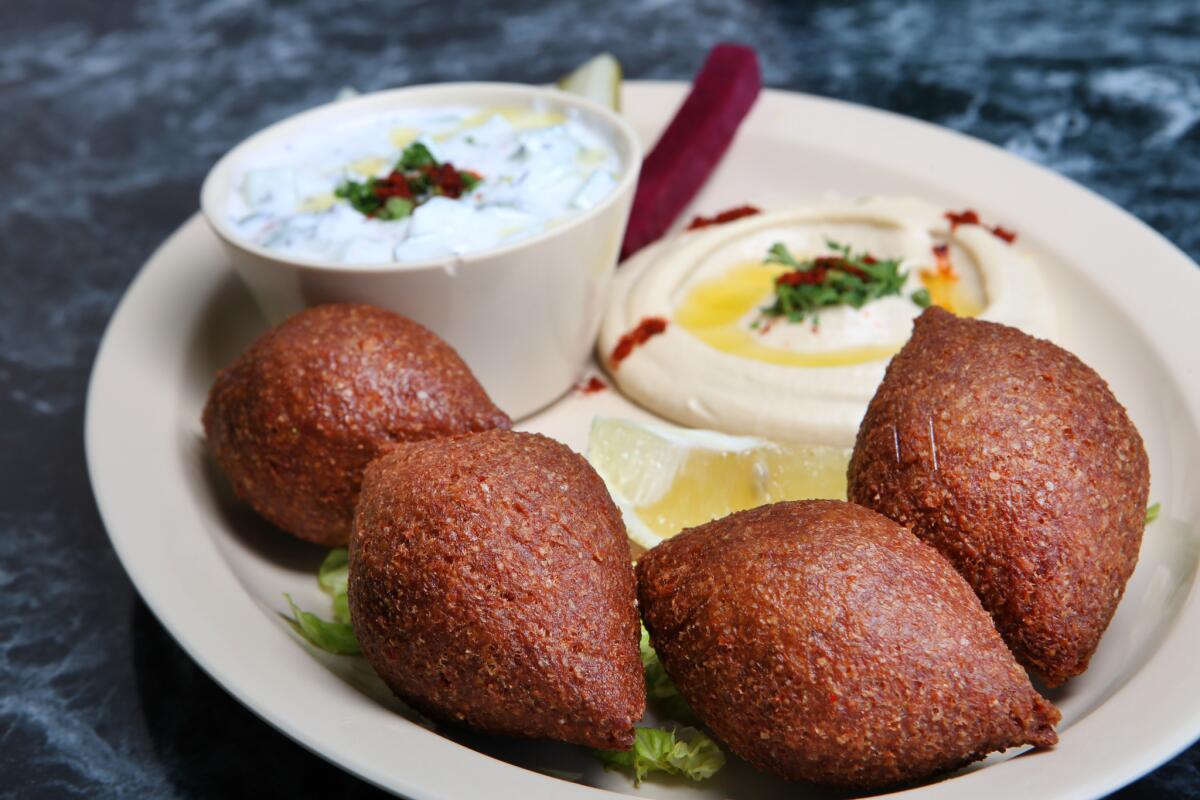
1012 457
823 642
490 585
295 419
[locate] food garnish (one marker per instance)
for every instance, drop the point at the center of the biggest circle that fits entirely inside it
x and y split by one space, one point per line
647 328
1004 233
665 478
942 267
332 637
845 279
336 636
679 751
659 687
416 177
598 79
333 577
721 217
687 152
969 217
945 286
1152 512
591 386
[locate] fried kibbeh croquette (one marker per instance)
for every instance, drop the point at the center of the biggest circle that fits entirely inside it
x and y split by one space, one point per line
823 642
1012 457
295 419
491 586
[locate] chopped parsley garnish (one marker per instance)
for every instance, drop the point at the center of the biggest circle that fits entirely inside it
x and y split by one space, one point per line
361 195
416 177
470 180
415 156
843 279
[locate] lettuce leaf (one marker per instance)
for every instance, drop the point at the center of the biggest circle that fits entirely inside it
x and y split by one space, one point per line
332 637
681 751
1152 512
341 608
336 636
334 573
659 686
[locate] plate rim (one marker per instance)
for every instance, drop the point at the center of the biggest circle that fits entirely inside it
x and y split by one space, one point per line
418 780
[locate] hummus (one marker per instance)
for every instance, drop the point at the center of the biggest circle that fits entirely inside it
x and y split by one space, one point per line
722 363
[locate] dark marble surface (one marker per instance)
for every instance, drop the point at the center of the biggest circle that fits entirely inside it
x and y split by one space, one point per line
111 112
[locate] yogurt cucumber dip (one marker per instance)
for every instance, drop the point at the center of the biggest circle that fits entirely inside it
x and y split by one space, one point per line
781 324
420 183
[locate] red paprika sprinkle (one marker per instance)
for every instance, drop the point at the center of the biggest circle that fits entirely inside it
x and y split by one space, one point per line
969 217
444 179
394 185
941 255
591 386
728 215
798 277
1005 234
966 217
820 270
648 327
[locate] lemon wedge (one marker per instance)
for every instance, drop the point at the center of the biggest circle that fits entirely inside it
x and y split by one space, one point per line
598 79
666 479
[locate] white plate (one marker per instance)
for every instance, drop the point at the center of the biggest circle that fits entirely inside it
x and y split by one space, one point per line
214 575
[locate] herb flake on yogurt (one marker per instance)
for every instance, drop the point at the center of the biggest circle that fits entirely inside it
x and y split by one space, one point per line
420 184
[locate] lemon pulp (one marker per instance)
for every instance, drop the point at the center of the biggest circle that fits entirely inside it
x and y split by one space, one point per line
712 484
666 479
598 79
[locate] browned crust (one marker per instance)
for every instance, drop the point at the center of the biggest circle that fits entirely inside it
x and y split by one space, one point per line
296 418
1038 494
490 585
823 642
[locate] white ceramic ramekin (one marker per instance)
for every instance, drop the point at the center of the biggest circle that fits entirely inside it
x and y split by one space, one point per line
524 316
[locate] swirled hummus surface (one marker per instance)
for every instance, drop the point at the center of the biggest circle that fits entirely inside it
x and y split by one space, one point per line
782 324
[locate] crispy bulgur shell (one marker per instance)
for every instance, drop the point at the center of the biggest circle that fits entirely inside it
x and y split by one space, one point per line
1012 457
823 642
490 585
295 419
